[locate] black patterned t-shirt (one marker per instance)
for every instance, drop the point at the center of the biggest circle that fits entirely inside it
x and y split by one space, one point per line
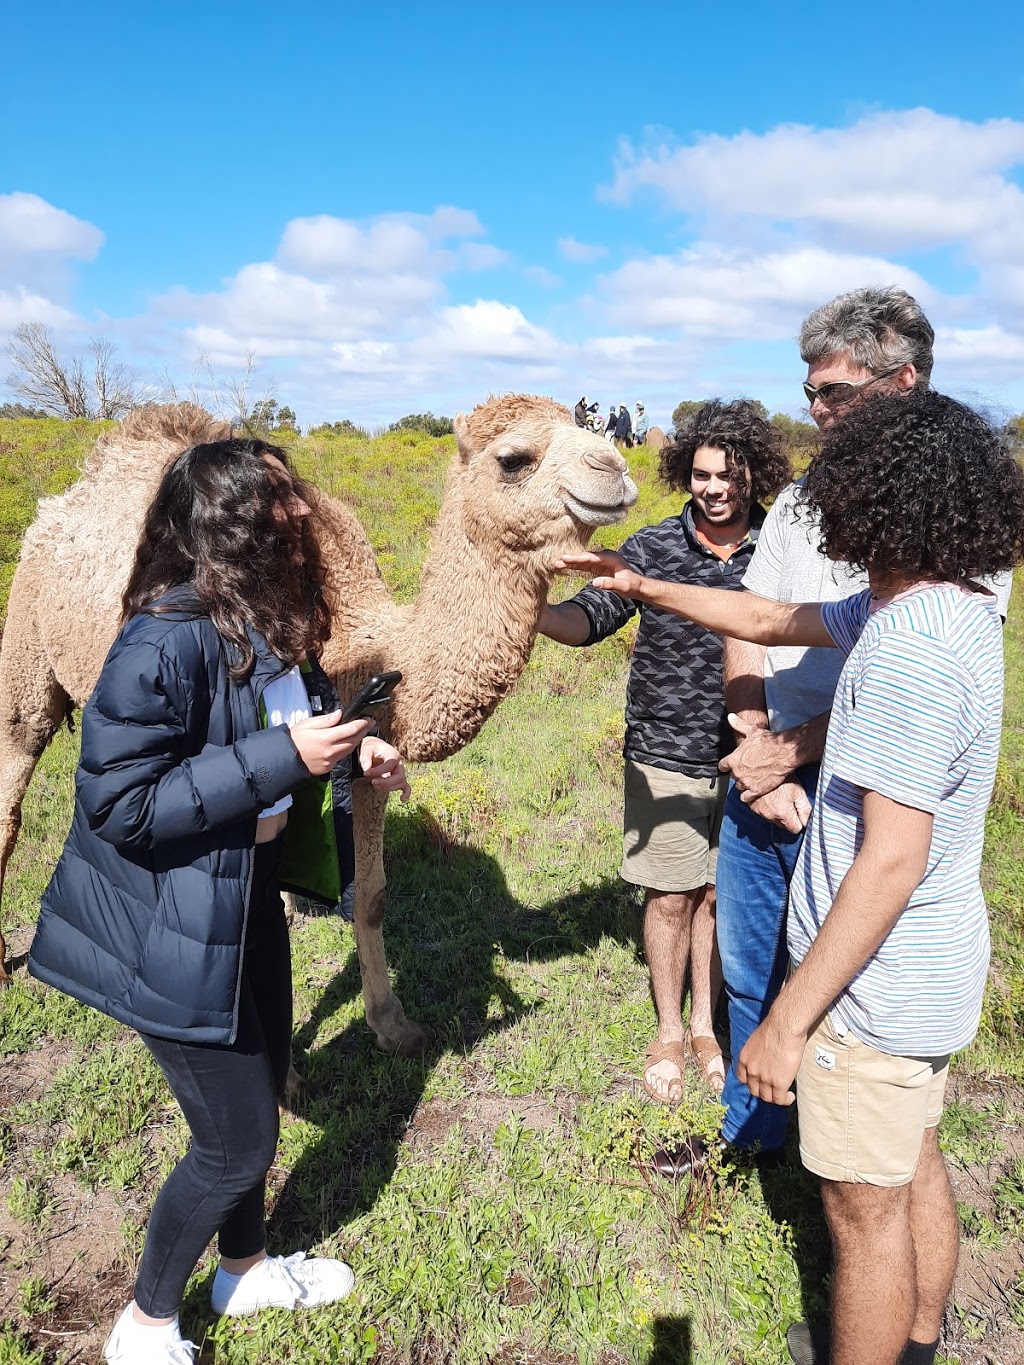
675 709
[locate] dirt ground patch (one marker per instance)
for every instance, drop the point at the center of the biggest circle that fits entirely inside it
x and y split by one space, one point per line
433 1120
987 1293
78 1252
431 1123
27 1074
488 1112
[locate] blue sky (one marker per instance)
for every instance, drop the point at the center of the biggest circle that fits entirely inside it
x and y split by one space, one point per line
405 207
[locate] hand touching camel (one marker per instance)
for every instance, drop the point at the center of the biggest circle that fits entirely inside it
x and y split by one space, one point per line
382 766
607 570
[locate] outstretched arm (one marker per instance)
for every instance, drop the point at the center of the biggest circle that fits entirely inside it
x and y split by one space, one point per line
739 615
565 622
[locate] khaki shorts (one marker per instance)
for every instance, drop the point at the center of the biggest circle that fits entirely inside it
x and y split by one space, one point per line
670 825
863 1113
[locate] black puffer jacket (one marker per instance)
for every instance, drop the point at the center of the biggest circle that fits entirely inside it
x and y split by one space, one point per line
144 917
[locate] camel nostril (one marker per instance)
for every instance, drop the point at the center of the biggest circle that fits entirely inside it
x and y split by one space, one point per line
605 459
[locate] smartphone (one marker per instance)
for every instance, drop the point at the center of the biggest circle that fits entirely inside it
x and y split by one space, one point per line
373 693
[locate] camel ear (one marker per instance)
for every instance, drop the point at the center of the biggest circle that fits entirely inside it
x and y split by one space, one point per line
461 428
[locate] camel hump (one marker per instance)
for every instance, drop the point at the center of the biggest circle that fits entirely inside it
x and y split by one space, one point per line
166 428
97 520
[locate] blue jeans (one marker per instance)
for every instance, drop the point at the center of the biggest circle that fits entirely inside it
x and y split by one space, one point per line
755 864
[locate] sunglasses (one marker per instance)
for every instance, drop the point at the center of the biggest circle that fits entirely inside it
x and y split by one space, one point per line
842 391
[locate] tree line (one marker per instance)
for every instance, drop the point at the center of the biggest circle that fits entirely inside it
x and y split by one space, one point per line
98 385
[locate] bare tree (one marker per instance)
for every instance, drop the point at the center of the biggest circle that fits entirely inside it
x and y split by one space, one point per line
247 411
230 396
62 387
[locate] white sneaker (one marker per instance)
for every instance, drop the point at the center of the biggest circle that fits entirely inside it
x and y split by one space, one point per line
133 1343
282 1282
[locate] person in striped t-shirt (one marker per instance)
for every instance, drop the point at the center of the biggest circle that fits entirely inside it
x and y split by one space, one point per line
888 931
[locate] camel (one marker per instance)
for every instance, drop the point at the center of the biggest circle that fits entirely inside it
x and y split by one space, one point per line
525 486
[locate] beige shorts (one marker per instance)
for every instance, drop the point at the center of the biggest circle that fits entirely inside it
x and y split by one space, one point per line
670 825
863 1113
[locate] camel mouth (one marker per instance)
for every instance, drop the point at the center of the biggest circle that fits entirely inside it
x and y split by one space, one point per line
601 514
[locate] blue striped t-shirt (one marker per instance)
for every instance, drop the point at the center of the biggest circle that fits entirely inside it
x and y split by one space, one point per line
916 718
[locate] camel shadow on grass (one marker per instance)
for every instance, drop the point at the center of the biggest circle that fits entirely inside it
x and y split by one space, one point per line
450 921
673 1342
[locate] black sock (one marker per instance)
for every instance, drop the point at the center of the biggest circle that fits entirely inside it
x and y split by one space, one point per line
919 1353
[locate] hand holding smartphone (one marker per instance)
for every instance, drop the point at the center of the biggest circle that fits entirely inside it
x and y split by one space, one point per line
375 692
319 739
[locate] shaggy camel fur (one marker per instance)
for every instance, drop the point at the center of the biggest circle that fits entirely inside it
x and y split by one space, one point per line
525 486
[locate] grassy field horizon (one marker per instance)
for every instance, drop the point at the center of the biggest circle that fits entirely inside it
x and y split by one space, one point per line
492 1196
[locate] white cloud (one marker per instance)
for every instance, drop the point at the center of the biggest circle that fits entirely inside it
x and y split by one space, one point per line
365 358
986 354
708 290
21 305
373 317
29 226
488 330
326 246
273 307
580 253
39 244
337 281
351 308
479 256
539 274
894 179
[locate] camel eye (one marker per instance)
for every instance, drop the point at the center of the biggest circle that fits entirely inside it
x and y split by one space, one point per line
515 463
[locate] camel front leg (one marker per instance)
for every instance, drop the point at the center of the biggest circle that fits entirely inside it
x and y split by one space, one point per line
394 1032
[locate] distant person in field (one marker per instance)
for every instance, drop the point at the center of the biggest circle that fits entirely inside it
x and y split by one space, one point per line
623 427
580 412
211 717
888 930
609 427
726 458
640 425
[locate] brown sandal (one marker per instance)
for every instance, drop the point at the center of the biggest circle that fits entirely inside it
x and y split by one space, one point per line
704 1049
673 1051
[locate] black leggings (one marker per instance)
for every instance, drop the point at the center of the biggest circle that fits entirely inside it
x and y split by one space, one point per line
229 1098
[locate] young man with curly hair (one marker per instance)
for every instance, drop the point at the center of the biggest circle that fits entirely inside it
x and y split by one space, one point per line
860 345
727 457
888 930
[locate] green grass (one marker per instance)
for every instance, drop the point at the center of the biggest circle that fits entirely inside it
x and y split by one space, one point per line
14 1348
491 1195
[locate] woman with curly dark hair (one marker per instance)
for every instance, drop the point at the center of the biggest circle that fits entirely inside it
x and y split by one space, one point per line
918 488
887 927
726 457
209 719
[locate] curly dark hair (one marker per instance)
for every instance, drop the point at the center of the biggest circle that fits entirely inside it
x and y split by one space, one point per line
212 525
918 485
749 440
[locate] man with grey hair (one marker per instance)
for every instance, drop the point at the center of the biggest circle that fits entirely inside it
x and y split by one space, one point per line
866 342
880 332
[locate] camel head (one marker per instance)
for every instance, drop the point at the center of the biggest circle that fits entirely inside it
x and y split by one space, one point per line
529 478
